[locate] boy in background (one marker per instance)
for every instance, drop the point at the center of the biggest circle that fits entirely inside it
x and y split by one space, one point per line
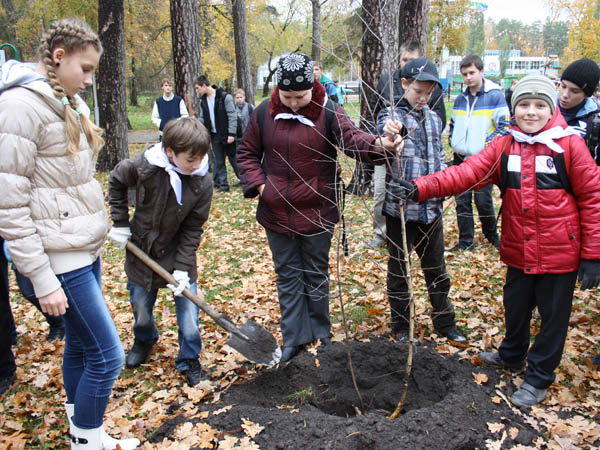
423 154
244 111
173 196
167 107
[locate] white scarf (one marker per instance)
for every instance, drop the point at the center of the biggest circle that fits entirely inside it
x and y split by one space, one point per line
547 137
299 117
156 156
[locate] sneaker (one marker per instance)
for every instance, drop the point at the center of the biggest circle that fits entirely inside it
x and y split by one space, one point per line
455 338
56 333
492 359
377 241
193 374
527 396
402 337
6 381
461 246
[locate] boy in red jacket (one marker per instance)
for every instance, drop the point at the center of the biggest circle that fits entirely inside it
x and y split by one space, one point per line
550 224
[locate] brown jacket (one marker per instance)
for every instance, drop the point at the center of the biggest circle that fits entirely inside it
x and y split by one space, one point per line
170 233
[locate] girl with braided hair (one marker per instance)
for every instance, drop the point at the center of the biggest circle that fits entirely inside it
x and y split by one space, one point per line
53 218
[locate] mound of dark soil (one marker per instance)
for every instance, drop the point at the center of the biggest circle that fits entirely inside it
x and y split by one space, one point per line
445 407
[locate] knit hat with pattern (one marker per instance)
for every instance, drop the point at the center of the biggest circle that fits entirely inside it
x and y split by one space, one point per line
295 72
534 86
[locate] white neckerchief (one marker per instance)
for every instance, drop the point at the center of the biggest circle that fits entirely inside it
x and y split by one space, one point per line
299 117
156 156
547 137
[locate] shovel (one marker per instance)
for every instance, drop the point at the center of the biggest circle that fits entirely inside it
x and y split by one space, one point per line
251 340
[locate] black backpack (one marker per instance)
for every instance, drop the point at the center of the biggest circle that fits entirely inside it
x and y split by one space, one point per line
592 135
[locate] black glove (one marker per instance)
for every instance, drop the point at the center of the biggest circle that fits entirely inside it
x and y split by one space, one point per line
404 190
589 273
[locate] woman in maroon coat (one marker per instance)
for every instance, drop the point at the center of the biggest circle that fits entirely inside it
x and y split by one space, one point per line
289 158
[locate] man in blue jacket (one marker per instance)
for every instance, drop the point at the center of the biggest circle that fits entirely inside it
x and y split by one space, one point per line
479 114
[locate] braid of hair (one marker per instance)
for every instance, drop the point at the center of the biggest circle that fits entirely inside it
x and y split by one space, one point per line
72 35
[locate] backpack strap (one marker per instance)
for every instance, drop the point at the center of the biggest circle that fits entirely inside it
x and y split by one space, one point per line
561 163
503 167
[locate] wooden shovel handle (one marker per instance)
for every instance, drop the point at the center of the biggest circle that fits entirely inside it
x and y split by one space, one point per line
219 318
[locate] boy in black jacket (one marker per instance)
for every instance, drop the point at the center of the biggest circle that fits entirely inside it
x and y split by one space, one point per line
173 196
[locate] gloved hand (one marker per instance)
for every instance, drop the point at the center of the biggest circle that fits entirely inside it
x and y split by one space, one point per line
404 190
120 236
183 281
589 273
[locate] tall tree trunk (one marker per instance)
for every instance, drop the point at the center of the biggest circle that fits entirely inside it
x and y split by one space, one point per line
371 58
111 85
315 52
133 93
414 22
242 52
186 48
390 35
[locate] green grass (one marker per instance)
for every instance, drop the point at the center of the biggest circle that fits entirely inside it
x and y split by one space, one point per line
140 116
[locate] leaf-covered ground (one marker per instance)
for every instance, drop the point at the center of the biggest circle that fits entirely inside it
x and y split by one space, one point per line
235 271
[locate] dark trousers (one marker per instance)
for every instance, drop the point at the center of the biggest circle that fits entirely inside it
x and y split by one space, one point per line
220 152
552 294
485 208
302 267
428 242
7 323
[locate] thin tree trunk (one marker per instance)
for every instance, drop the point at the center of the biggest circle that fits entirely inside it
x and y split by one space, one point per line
111 85
371 58
242 52
186 47
133 93
315 52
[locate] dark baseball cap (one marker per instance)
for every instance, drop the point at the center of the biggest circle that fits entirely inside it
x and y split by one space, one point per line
421 69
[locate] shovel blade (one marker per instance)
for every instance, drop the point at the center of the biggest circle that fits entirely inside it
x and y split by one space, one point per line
256 344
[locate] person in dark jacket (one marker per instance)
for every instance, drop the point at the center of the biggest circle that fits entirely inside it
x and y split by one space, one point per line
173 196
576 89
291 163
217 113
167 107
508 95
423 153
549 230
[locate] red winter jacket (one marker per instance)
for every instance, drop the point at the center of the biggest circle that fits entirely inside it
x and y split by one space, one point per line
297 165
544 228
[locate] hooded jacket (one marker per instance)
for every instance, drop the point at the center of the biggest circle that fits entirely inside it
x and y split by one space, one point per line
52 211
297 164
544 228
474 126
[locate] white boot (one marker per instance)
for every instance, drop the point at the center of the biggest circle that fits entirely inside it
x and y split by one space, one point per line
85 439
107 442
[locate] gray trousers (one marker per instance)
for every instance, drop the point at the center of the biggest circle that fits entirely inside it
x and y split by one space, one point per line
302 267
378 199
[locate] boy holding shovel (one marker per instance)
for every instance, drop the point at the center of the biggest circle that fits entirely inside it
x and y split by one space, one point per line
173 197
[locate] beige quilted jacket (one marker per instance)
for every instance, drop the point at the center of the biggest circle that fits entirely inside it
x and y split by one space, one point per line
52 211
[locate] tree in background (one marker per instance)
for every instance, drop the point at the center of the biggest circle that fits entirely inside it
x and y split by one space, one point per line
448 27
186 47
414 21
242 52
556 37
315 52
476 40
112 100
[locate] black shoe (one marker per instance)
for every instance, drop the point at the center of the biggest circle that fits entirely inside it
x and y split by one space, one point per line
289 352
496 243
138 353
6 381
455 338
326 342
193 374
402 337
56 333
492 359
224 188
461 246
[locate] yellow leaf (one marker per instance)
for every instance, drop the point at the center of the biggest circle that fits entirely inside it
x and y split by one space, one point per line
480 378
495 427
251 428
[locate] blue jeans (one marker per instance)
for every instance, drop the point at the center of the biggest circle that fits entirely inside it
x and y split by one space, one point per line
94 354
144 328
